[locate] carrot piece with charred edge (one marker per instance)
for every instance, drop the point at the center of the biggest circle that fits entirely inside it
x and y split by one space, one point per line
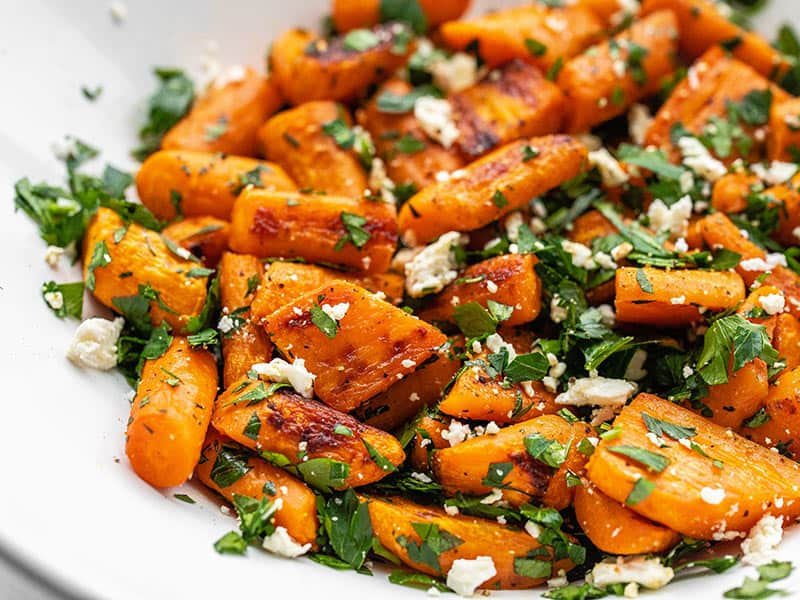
519 102
248 344
354 14
393 521
782 406
225 119
589 226
492 187
703 26
751 476
730 192
616 529
205 237
296 140
306 67
509 279
783 136
302 430
284 282
170 414
372 346
555 33
174 183
417 168
597 89
140 258
464 468
672 298
298 514
427 438
719 231
740 398
393 407
316 228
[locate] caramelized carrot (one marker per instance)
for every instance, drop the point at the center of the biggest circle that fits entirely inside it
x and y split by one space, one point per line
783 139
205 237
353 14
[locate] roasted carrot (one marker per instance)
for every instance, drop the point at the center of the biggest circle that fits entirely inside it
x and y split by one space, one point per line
544 36
702 26
415 169
604 81
730 404
399 524
491 187
428 437
516 102
673 298
352 14
284 282
170 414
786 339
787 200
730 191
246 343
259 479
690 494
177 183
306 67
226 117
360 234
124 261
782 407
329 449
297 140
783 139
615 528
204 237
589 226
371 346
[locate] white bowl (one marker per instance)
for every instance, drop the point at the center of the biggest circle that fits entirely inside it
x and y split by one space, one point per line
72 513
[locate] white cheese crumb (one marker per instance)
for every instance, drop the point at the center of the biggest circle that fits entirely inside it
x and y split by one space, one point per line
772 303
456 432
465 575
226 324
435 266
493 497
451 510
533 529
647 572
407 363
296 374
699 160
52 255
65 148
491 286
763 539
581 255
119 12
639 121
674 219
634 370
512 224
492 428
337 311
95 344
687 371
282 544
380 182
557 312
421 477
435 116
55 300
681 245
622 250
677 300
611 171
712 495
604 261
456 73
607 315
777 173
495 343
597 391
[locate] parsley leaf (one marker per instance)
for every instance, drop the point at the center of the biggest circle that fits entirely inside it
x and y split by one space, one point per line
652 460
359 40
406 11
356 234
550 452
325 323
433 542
732 334
661 428
389 102
340 132
347 524
64 299
641 490
527 367
170 102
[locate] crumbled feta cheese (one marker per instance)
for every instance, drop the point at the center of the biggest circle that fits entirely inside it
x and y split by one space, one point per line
422 477
677 300
712 495
296 374
647 572
699 160
634 370
620 251
581 255
476 347
763 539
611 171
407 363
681 245
465 575
95 344
65 148
674 219
492 428
282 544
559 581
337 311
456 432
495 343
380 182
226 324
686 181
772 303
435 117
512 224
777 173
54 299
597 391
687 371
493 497
533 529
607 315
451 510
435 266
631 590
456 73
52 255
119 12
639 121
491 286
557 312
604 261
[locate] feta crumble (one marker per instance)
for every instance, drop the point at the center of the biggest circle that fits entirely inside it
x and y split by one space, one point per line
759 546
698 159
435 266
674 218
639 121
557 312
456 433
634 370
621 251
226 324
95 344
52 255
435 117
647 572
611 172
712 495
295 374
772 303
581 255
597 391
465 575
456 73
282 544
336 311
407 363
55 300
495 343
119 12
777 173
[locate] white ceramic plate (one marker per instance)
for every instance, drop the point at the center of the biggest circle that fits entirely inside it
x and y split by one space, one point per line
71 511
